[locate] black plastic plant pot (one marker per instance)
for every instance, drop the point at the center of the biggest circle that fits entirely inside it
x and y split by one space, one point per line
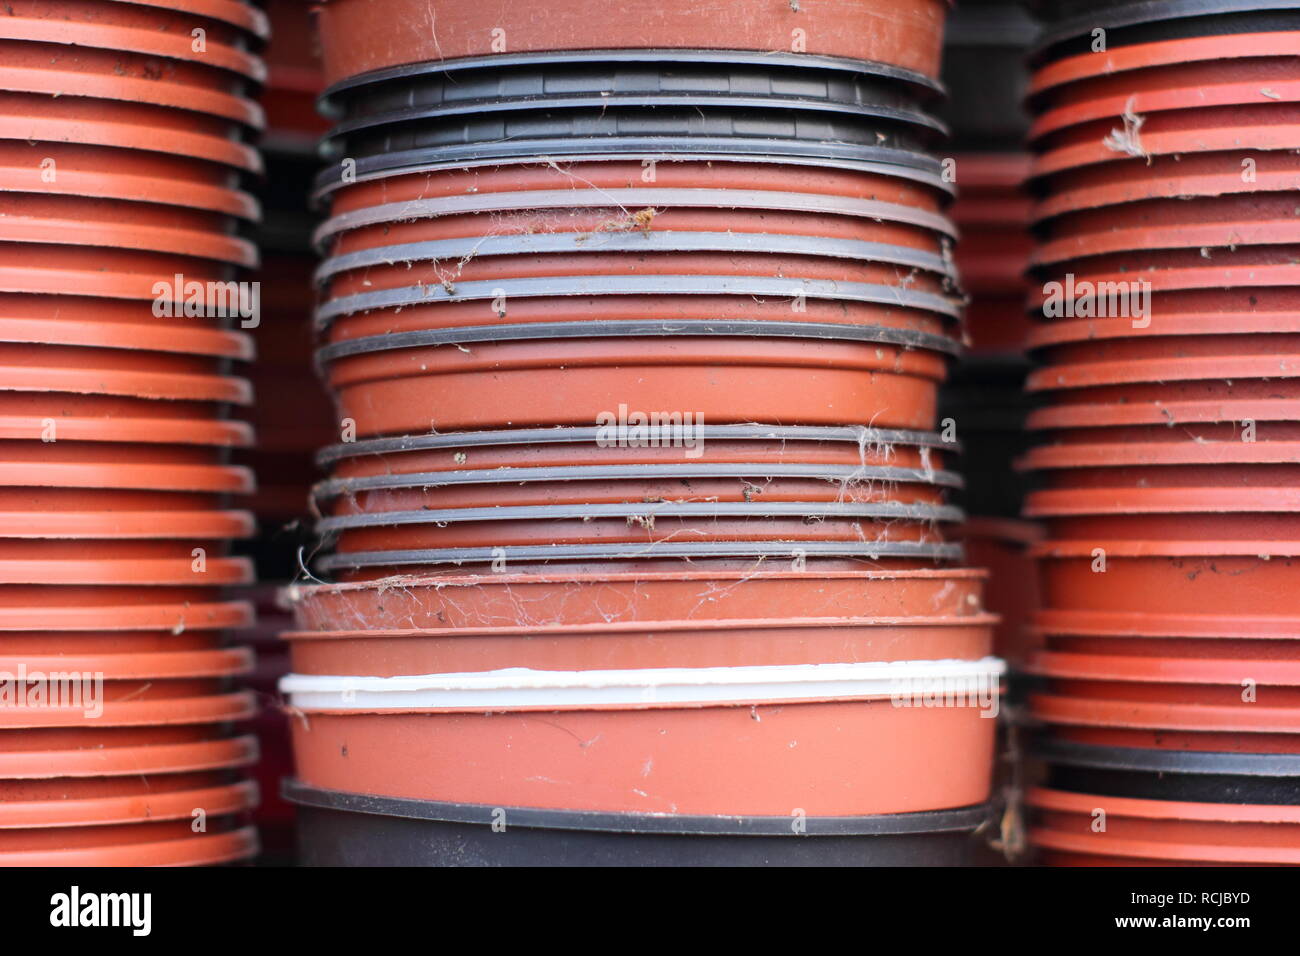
1069 24
344 829
983 66
1185 776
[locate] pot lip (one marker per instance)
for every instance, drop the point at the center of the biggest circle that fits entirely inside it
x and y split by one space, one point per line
128 525
672 57
223 343
525 689
124 572
1068 801
137 40
200 243
211 616
1158 454
631 197
1088 331
214 662
636 628
1145 715
212 709
220 754
201 850
1161 670
1117 239
1063 202
336 487
105 811
124 89
1147 103
1159 145
1139 13
1144 624
1140 549
637 241
222 433
657 549
917 167
920 124
858 435
664 509
179 386
633 328
246 16
1053 378
129 187
1161 413
891 824
1159 501
634 284
216 479
1146 760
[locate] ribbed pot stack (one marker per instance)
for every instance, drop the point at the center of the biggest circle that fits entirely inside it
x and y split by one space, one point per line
638 525
1166 167
123 130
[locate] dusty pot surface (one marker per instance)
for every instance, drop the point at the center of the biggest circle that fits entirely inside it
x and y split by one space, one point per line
170 843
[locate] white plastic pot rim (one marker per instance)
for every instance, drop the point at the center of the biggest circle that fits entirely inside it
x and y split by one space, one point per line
520 687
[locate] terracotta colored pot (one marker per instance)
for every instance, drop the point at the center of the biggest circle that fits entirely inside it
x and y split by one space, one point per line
1171 452
133 175
109 273
163 804
217 662
906 35
1163 832
592 598
1072 416
227 434
572 384
130 761
618 646
349 829
119 609
759 772
1168 177
133 126
135 844
1196 368
112 75
39 373
120 326
1230 325
1002 546
64 220
201 525
108 465
1167 624
48 561
141 704
141 28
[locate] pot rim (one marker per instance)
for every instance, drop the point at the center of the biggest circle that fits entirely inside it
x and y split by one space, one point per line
1152 454
208 849
212 709
521 689
1142 624
107 811
222 433
1145 715
1068 377
657 549
209 616
885 824
1164 501
1047 798
129 187
223 343
1161 413
199 243
218 754
214 662
233 479
1162 670
178 386
511 244
119 572
1140 759
246 16
1086 331
617 328
337 487
1140 549
95 525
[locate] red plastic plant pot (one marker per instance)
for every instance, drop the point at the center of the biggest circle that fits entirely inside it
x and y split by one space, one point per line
1155 577
1106 416
1157 90
1002 546
1145 626
172 610
357 38
134 126
114 75
117 325
95 525
215 799
118 563
1213 324
147 277
496 600
122 363
135 665
68 464
1205 175
1163 832
142 28
1178 371
514 758
381 653
581 181
131 175
129 760
1150 460
572 383
138 704
92 373
221 433
76 221
171 843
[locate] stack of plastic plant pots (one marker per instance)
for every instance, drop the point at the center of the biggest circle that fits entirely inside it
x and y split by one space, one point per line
123 149
983 67
1167 165
639 524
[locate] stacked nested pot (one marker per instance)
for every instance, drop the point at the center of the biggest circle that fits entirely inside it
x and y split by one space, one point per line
123 131
1167 165
638 524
